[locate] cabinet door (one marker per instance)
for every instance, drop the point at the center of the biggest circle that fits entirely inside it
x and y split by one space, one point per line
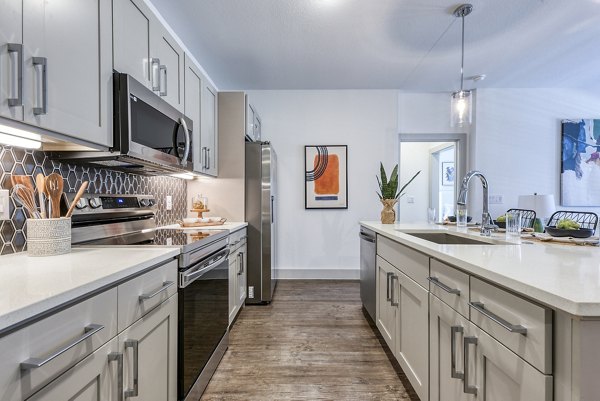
447 328
412 332
169 58
193 106
131 31
495 373
68 68
233 269
96 378
209 129
149 347
386 313
241 278
11 59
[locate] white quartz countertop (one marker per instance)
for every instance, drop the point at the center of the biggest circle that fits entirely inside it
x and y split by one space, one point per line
30 286
564 277
232 226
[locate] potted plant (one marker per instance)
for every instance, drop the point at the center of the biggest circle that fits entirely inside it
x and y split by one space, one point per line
389 194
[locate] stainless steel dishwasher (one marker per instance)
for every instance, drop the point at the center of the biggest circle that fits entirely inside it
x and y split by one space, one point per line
368 272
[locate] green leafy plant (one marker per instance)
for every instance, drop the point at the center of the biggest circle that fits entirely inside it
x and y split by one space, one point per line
388 189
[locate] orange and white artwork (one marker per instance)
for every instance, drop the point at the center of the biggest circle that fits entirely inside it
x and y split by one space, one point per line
326 181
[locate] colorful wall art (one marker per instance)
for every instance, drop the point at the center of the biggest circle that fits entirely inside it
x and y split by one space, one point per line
326 177
580 163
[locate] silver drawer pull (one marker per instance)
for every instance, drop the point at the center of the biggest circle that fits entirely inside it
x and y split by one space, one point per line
387 287
41 64
133 392
17 49
453 372
438 283
467 388
164 287
118 356
33 363
513 328
392 302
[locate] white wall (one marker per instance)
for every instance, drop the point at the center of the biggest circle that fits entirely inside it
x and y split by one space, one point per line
324 243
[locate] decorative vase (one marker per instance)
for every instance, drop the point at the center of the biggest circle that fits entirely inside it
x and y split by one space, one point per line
388 214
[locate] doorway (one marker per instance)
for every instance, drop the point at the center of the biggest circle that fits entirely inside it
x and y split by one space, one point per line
441 158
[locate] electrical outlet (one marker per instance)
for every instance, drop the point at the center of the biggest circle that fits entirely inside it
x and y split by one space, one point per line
496 199
4 205
410 199
169 241
251 291
169 202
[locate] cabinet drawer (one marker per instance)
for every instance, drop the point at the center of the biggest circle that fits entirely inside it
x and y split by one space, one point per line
412 263
95 319
451 286
143 293
521 325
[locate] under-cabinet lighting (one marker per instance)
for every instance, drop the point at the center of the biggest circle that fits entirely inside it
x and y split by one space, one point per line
17 137
185 176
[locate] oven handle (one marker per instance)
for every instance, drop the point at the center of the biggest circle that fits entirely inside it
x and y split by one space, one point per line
187 278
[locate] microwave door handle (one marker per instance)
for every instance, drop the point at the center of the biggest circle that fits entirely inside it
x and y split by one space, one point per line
186 151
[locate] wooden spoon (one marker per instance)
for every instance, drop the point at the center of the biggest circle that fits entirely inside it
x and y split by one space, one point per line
82 189
54 189
40 185
24 180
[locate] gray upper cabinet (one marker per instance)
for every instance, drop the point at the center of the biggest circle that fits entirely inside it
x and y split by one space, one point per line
55 66
11 59
144 49
208 137
194 83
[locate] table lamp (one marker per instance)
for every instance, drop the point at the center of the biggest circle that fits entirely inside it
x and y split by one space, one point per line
543 205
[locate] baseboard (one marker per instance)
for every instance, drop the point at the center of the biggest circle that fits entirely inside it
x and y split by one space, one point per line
318 274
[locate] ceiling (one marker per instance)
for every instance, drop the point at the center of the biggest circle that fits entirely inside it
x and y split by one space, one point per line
412 45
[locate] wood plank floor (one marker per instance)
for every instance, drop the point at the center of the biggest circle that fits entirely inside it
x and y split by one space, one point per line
311 343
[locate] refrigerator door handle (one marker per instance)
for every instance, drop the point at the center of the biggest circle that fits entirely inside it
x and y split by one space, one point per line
272 210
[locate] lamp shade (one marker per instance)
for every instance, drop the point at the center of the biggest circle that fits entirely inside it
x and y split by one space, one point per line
461 106
543 205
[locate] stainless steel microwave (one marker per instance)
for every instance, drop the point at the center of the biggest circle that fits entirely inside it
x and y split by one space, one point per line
150 136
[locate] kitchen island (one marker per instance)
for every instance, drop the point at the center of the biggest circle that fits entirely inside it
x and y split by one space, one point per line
527 314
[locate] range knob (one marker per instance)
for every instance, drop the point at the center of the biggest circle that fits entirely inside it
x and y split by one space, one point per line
81 203
95 203
144 202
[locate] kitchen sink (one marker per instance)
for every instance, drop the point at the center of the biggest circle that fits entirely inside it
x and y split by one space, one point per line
452 239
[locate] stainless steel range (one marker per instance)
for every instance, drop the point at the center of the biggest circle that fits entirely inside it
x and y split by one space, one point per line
203 297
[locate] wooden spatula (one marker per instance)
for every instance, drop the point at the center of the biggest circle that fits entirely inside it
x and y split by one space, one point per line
76 198
24 180
40 185
54 189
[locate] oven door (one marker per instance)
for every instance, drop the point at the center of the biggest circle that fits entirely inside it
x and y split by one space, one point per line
203 316
150 128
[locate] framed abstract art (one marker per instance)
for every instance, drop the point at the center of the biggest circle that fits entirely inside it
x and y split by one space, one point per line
326 177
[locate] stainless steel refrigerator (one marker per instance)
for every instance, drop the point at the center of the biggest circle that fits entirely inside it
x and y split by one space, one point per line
261 207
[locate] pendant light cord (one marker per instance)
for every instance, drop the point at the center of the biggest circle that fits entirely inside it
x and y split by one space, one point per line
462 59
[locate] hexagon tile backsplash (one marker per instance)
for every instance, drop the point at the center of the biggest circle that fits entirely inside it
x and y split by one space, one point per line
13 233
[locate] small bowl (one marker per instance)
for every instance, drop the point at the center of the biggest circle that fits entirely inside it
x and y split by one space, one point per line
190 220
452 219
560 232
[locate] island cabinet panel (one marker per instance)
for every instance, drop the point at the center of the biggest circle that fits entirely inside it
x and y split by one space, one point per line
410 262
521 325
385 311
447 330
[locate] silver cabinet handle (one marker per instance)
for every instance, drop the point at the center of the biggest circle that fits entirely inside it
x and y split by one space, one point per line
204 158
467 388
17 48
164 287
387 287
513 328
118 356
242 264
41 64
208 158
453 372
438 283
366 237
133 392
394 277
239 260
186 151
162 70
33 363
155 74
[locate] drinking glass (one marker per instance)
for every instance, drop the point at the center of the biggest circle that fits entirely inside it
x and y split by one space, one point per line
431 215
461 216
513 225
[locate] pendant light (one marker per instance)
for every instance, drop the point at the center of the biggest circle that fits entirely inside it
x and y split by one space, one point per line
461 101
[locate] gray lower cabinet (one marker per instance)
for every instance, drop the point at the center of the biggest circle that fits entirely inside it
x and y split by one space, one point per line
385 310
95 378
144 49
237 273
149 349
56 66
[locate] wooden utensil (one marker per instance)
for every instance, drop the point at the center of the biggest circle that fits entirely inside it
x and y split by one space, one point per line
21 179
40 185
78 195
54 190
26 197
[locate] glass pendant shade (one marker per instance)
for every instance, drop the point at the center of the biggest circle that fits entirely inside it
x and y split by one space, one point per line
460 108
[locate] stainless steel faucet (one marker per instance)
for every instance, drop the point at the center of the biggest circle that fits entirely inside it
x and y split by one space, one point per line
486 220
